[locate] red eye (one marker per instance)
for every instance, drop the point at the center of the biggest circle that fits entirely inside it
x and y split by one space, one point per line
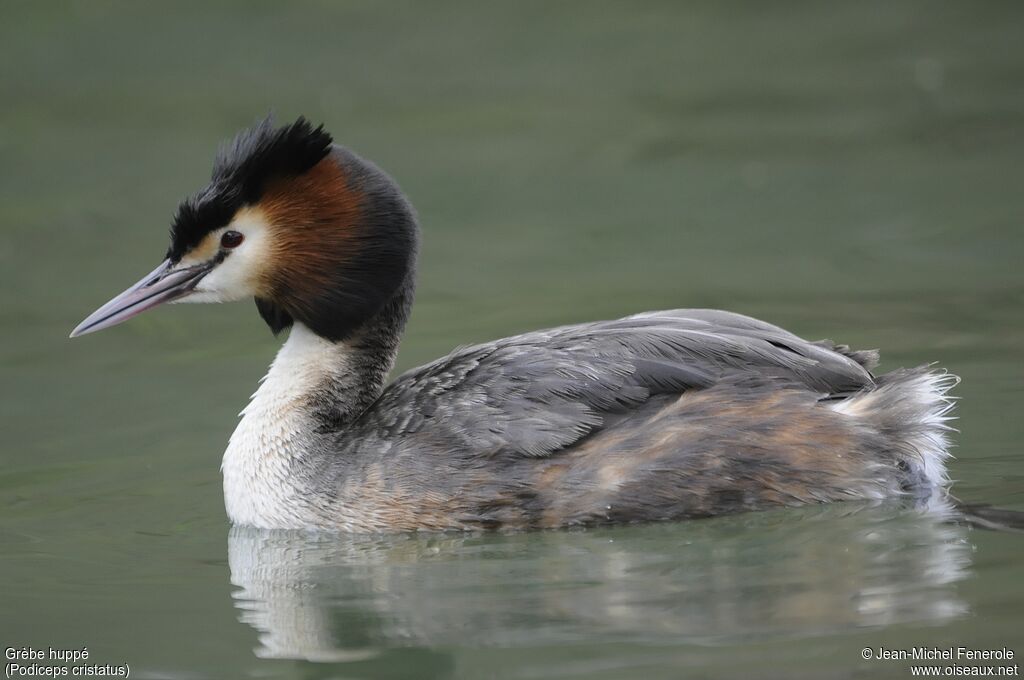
231 239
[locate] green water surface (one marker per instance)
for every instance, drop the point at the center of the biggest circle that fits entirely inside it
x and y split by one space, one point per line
846 170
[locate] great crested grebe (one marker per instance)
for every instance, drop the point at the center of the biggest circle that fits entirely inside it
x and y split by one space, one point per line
663 415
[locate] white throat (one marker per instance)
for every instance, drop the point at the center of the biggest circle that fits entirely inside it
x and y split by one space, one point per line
263 467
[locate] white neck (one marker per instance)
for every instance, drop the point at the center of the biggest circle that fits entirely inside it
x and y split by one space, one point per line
263 464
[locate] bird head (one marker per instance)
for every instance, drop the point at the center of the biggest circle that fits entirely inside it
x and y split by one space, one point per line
314 233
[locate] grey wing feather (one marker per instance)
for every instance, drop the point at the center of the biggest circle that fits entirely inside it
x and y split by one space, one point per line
537 393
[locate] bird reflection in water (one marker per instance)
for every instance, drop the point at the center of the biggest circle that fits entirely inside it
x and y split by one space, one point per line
791 573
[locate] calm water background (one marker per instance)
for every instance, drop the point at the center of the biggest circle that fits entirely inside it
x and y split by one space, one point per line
847 170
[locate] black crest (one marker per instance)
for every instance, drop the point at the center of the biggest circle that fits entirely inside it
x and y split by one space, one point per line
240 172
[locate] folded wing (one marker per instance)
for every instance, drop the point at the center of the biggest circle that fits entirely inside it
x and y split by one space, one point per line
538 393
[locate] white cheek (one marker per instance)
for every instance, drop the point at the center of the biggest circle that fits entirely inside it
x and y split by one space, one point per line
232 279
237 276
